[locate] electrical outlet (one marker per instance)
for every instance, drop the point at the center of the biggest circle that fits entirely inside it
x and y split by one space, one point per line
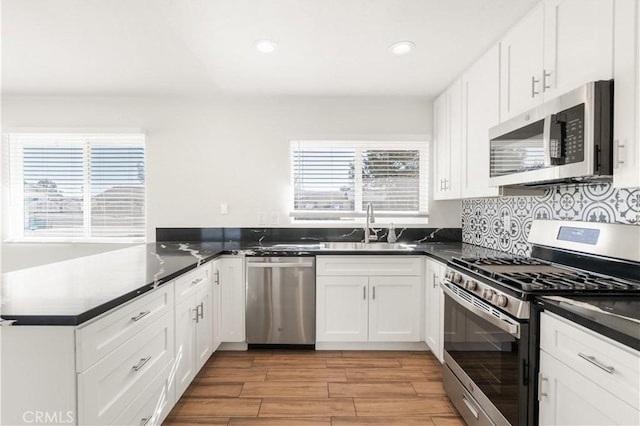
262 218
224 208
275 218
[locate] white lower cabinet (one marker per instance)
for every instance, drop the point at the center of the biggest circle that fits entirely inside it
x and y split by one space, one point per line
585 378
193 330
353 305
434 305
113 369
228 278
107 388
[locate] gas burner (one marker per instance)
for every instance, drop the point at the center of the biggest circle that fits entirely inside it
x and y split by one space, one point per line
531 281
502 261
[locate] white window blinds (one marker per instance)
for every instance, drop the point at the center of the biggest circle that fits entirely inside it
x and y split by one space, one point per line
334 180
77 187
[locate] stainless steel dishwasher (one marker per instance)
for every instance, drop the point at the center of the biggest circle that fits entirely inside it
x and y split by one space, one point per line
281 301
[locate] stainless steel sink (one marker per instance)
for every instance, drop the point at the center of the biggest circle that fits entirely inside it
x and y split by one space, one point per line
343 245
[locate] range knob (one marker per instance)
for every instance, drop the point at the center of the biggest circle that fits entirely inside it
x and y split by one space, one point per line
502 300
448 275
487 294
457 278
470 285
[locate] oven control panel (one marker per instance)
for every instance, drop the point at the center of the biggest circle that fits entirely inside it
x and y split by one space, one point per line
510 304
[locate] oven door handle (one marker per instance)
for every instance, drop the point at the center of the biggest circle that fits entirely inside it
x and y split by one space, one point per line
512 329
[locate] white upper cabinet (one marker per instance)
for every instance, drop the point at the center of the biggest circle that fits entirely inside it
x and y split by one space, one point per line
578 47
626 128
480 111
559 46
521 51
447 118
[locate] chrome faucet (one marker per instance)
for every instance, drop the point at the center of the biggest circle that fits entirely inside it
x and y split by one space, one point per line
370 219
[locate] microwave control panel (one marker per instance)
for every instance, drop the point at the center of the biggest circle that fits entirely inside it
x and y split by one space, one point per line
567 136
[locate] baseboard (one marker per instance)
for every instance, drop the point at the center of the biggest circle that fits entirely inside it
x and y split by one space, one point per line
232 346
371 346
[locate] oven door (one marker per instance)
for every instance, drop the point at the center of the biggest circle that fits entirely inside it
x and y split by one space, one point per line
487 352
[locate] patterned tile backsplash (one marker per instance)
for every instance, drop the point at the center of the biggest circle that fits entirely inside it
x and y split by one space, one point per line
482 222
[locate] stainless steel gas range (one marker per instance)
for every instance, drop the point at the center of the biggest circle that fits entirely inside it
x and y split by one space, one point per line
490 337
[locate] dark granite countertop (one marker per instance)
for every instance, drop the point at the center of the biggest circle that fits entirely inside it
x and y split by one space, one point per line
74 291
617 317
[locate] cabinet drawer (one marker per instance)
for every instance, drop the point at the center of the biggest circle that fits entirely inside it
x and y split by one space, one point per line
153 405
591 354
187 282
368 265
99 338
107 389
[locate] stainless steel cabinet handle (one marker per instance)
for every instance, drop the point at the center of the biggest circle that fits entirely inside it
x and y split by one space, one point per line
374 292
145 421
196 312
217 277
200 309
140 315
616 153
541 379
593 360
364 292
545 74
533 86
142 362
435 281
196 281
471 407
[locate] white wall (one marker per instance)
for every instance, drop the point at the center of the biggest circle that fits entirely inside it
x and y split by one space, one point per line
202 152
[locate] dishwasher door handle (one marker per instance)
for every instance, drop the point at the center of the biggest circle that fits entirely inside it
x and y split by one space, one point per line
279 265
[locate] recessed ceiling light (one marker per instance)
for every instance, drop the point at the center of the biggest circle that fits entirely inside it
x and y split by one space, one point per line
265 46
402 47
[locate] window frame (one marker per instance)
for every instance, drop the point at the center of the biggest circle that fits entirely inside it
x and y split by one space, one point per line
14 169
358 216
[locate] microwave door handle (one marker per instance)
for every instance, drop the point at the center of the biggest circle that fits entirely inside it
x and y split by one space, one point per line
546 141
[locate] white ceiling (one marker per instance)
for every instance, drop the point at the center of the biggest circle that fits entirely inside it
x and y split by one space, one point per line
205 47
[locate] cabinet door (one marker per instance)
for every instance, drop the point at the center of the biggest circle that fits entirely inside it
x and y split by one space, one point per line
578 47
568 398
521 53
216 337
232 299
341 309
480 111
448 136
626 130
185 335
454 106
204 324
433 307
394 309
440 146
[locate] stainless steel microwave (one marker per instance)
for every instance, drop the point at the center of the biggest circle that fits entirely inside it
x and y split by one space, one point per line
566 139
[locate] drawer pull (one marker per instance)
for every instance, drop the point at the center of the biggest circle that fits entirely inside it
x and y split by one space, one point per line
593 360
145 421
541 380
141 364
196 281
471 407
140 316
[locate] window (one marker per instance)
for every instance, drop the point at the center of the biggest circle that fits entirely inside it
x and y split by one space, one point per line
85 187
337 179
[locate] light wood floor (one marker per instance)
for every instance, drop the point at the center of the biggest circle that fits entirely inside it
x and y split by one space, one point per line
323 388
